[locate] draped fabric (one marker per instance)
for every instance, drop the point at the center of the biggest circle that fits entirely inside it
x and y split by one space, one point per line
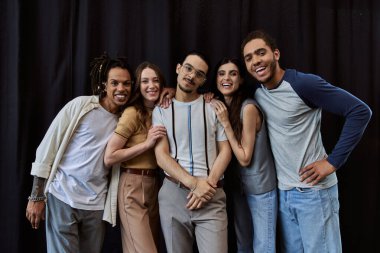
46 47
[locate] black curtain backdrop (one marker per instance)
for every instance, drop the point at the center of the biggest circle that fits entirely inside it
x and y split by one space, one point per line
46 46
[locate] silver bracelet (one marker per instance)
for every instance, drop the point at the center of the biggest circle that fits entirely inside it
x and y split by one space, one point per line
36 198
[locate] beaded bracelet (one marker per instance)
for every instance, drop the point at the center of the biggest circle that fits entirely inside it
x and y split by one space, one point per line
36 198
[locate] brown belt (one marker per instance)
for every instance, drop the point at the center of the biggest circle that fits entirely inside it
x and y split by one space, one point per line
142 172
218 185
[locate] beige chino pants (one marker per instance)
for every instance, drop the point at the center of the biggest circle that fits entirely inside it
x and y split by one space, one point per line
138 212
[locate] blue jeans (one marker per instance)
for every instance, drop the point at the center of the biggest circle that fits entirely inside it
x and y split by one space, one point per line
263 209
242 222
309 220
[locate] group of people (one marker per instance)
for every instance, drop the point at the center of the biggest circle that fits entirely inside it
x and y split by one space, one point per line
102 153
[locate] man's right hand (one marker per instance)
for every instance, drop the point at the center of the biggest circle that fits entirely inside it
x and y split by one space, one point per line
35 212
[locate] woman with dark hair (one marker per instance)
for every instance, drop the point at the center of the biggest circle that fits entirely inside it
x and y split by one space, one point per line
253 194
132 145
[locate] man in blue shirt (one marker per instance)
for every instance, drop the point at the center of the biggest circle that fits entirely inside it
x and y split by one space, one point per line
292 103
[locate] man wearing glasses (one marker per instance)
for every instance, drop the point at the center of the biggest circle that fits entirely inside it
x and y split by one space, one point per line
194 155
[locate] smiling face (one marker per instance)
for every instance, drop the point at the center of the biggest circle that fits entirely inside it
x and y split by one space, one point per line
228 79
118 89
262 63
150 87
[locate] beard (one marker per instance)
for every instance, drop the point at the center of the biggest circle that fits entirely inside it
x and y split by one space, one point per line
184 89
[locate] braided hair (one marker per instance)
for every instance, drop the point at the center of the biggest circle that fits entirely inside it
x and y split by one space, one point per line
100 68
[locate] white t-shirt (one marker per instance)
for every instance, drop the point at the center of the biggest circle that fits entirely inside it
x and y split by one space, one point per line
81 179
189 147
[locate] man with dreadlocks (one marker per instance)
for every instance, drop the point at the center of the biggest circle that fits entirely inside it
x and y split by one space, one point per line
69 174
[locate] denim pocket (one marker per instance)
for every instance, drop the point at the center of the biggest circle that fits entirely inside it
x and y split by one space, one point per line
332 193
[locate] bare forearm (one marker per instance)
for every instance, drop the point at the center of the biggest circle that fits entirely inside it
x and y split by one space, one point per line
220 164
170 166
239 151
125 154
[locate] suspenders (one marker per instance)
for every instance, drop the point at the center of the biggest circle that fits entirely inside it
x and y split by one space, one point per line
205 133
205 129
175 141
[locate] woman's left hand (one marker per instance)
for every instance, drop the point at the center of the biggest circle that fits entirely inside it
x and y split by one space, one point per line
208 96
154 133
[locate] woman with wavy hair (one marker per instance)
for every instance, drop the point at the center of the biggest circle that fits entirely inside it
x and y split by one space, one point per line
132 145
